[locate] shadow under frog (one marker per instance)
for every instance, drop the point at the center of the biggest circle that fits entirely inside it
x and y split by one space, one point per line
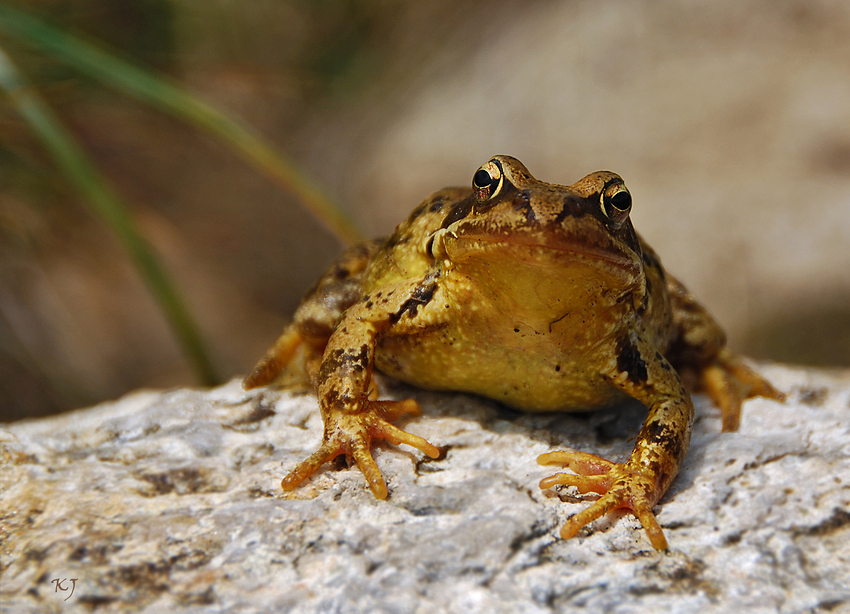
540 296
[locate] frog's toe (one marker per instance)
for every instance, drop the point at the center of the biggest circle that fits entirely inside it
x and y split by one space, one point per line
393 410
328 451
585 483
640 507
582 463
390 411
396 436
363 456
620 485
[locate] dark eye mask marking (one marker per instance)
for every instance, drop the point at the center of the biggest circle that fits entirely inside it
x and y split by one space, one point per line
522 203
459 211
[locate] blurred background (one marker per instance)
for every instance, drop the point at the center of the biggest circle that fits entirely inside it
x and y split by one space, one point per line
730 122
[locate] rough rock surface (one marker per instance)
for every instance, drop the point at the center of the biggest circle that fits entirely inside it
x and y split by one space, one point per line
170 501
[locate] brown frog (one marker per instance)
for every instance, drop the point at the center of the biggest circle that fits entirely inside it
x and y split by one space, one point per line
538 295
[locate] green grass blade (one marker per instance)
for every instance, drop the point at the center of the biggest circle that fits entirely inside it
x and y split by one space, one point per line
82 173
162 92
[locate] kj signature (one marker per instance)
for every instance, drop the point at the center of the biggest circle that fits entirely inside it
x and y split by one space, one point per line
61 587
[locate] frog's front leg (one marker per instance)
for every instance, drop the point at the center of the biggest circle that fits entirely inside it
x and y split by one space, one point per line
661 447
352 420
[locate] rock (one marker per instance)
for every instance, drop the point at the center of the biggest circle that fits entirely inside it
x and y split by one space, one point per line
170 501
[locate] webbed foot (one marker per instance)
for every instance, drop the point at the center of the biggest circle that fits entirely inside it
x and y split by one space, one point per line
729 382
352 434
621 486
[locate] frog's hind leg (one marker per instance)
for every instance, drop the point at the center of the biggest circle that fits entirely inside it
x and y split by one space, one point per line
698 347
729 382
272 365
314 320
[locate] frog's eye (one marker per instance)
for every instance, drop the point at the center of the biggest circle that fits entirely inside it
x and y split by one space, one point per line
616 201
488 180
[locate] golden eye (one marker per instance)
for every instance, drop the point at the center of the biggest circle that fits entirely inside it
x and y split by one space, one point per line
487 181
616 201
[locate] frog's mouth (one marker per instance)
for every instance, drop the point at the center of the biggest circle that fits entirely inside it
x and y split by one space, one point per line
536 250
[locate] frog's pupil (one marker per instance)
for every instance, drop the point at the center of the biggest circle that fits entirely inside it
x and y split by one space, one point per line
621 200
482 179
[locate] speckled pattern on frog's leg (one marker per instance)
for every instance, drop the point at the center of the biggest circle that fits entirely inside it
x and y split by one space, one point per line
352 420
661 447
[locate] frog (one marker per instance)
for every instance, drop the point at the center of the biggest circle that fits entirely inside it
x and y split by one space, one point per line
540 296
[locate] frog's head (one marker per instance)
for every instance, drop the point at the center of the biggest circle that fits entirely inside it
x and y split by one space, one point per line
512 219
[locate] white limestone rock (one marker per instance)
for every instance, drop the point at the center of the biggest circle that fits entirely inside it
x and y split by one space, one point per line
170 501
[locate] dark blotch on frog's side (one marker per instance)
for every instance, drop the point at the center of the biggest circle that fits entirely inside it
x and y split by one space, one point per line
629 361
419 297
650 260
